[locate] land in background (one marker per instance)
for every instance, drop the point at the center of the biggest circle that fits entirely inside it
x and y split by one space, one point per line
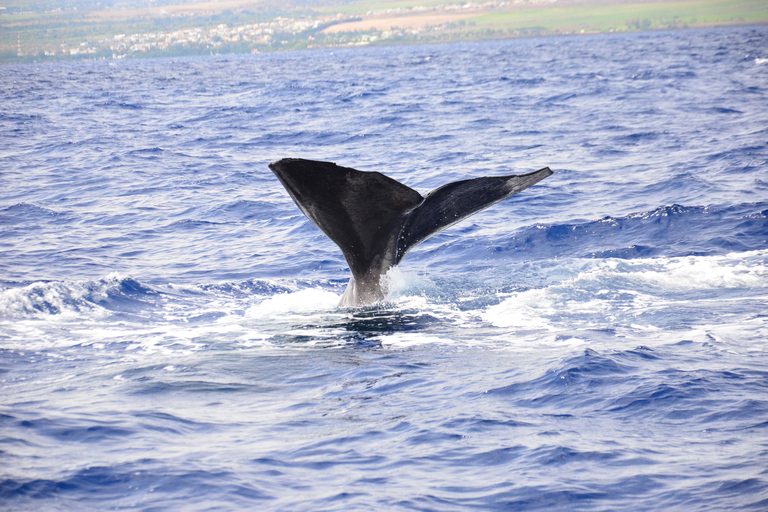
114 29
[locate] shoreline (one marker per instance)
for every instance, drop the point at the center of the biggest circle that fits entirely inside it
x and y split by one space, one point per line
422 25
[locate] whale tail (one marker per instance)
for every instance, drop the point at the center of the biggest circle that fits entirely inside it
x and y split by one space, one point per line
375 220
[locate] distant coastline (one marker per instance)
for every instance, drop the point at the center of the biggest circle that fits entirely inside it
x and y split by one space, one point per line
79 30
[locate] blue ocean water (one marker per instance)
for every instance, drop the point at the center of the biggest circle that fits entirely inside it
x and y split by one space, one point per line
169 336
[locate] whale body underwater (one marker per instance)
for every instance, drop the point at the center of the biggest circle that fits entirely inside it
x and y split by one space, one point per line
375 220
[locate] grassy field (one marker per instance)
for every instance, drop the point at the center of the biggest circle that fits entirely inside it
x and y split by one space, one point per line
629 16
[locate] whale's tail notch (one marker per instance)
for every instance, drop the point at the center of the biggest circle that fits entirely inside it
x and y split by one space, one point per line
375 220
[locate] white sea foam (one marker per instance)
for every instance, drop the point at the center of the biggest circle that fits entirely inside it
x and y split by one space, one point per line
640 298
398 283
634 295
684 273
406 339
309 300
523 310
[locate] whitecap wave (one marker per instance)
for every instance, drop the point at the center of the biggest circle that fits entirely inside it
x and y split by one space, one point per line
641 296
61 299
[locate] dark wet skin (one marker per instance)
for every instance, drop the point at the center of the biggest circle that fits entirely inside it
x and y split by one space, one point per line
375 220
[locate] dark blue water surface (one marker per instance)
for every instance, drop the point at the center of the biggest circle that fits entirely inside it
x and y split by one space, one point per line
169 336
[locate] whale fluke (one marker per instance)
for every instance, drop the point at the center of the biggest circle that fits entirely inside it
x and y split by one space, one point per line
375 220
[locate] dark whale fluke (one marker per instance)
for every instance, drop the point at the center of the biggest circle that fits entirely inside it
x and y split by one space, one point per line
375 220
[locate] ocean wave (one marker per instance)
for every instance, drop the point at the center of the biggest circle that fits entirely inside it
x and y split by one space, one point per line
671 230
73 299
638 383
28 212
